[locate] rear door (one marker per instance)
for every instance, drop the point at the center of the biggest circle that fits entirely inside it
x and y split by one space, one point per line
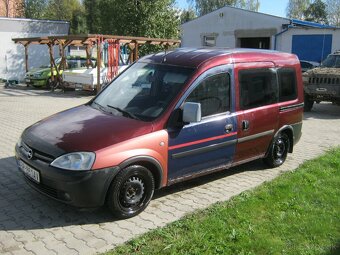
198 148
257 109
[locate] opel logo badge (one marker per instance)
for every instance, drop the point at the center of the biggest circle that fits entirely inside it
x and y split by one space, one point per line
29 154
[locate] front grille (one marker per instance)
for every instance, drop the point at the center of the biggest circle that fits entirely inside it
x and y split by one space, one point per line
36 154
324 80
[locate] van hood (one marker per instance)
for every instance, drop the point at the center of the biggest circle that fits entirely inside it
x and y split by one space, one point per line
82 128
322 71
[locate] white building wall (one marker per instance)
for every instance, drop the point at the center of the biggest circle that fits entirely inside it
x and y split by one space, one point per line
284 41
228 23
12 56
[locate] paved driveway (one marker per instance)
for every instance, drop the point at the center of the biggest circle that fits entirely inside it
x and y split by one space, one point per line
30 223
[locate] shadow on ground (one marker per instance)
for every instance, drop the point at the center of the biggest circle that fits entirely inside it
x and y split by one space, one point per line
335 250
323 111
44 92
23 208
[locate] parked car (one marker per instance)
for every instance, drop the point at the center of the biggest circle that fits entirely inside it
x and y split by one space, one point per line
167 118
306 65
323 83
41 77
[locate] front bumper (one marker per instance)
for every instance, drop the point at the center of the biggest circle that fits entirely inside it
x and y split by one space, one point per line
323 92
77 188
36 82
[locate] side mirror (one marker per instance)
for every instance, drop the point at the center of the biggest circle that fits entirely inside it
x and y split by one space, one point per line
192 112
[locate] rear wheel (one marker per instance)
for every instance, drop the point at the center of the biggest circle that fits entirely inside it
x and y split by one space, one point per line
278 150
131 191
308 103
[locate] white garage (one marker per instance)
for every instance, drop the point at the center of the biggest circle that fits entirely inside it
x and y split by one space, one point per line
234 27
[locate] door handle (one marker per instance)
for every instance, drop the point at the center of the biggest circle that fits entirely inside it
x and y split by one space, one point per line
228 128
245 125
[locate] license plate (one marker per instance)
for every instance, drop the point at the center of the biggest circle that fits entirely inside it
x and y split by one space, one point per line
27 80
29 171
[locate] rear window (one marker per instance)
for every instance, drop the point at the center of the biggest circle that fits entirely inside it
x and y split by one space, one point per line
258 87
287 84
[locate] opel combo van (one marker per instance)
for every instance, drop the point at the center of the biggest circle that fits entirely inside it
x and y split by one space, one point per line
167 118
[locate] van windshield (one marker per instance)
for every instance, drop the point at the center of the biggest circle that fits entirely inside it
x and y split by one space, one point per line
144 91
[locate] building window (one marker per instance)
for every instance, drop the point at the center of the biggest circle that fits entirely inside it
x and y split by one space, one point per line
209 40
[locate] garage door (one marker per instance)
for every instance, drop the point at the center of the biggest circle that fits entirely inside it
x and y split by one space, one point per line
312 47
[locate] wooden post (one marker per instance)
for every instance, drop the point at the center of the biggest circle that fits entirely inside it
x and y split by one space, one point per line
131 53
99 63
26 57
53 66
88 56
61 54
135 52
50 50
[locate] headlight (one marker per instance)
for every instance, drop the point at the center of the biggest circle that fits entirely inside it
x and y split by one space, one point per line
305 79
75 161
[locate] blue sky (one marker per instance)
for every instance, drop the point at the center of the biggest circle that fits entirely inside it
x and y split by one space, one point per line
273 7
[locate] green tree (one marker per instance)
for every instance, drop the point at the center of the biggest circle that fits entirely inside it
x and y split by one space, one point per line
205 6
333 12
187 15
296 8
69 10
35 9
157 18
92 15
316 12
144 18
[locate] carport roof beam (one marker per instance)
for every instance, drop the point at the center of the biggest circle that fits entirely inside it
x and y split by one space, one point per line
80 40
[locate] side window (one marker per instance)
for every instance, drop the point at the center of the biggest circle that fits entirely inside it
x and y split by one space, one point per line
258 87
213 93
287 84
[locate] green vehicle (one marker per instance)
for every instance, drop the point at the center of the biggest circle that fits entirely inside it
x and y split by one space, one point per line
41 77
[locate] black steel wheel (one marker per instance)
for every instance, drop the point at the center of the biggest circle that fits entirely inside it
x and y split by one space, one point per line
278 150
130 191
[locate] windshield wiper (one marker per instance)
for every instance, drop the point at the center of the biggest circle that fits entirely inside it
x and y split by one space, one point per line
102 108
125 113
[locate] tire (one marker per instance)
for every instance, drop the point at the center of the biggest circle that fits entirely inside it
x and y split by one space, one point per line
49 83
130 191
278 150
308 104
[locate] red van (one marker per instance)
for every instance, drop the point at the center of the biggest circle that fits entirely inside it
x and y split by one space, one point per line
169 117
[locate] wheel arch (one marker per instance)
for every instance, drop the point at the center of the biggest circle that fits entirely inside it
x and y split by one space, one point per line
150 163
288 129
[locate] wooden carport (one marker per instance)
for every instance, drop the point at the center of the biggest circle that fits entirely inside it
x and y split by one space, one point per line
89 41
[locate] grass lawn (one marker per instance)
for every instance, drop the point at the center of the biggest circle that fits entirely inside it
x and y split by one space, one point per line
297 213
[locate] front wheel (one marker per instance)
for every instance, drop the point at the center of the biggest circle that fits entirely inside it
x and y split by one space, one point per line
49 83
130 191
278 150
